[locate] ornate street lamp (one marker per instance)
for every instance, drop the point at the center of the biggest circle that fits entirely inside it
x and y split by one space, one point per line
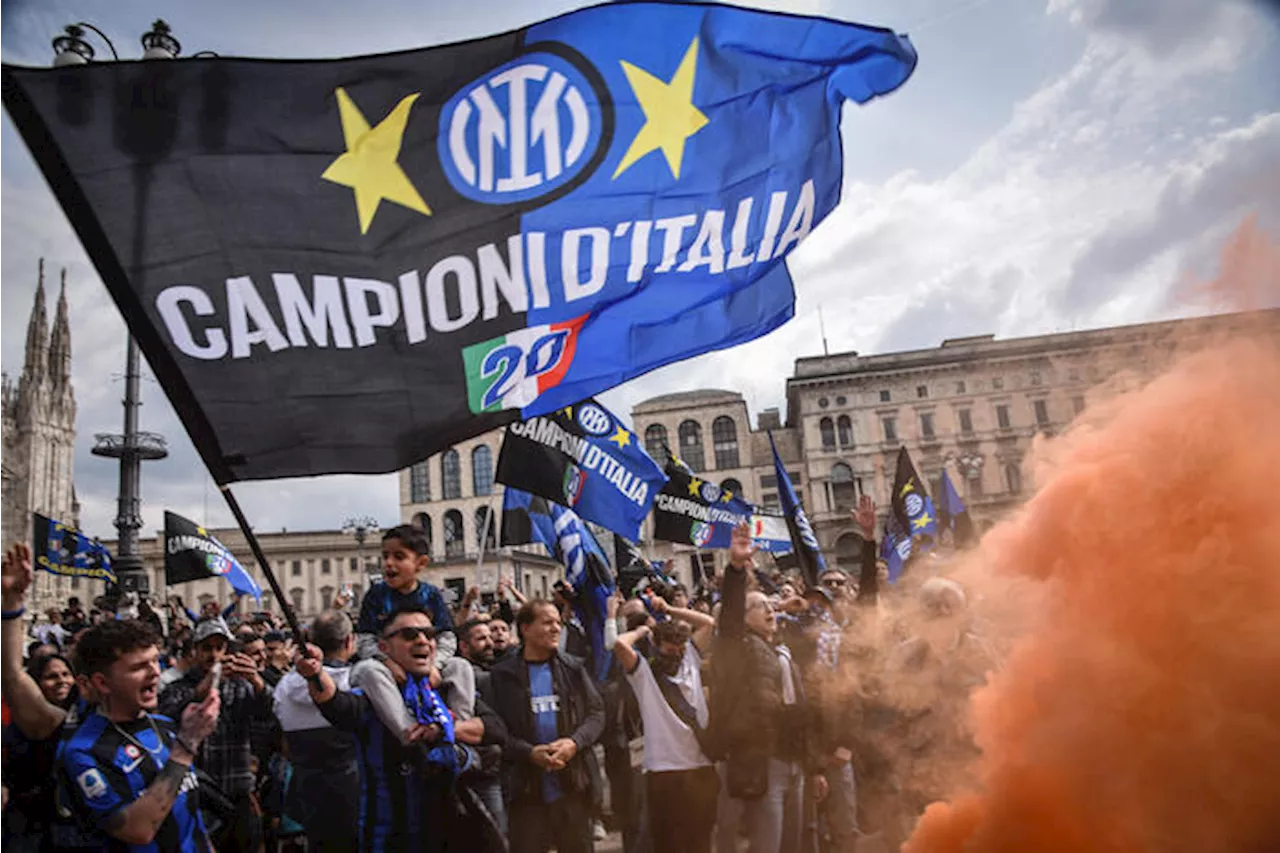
362 527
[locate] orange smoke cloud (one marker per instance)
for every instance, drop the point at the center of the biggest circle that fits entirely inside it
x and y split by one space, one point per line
1142 711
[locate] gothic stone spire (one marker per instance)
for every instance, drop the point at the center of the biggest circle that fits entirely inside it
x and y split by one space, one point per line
37 333
60 343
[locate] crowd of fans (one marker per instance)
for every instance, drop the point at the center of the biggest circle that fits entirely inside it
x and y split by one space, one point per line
757 712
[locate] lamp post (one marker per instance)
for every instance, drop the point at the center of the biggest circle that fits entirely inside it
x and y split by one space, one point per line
971 467
361 527
131 447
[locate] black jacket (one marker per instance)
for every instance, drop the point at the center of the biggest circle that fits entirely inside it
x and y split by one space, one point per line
581 717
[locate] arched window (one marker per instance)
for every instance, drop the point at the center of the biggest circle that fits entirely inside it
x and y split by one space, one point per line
454 544
420 483
482 470
296 595
450 475
691 446
732 485
849 553
422 521
827 430
655 443
1013 478
724 439
844 492
484 529
844 429
326 597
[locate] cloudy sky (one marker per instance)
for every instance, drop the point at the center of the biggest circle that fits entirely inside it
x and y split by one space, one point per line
1050 166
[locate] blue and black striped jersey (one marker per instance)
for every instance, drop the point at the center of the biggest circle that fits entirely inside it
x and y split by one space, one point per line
104 771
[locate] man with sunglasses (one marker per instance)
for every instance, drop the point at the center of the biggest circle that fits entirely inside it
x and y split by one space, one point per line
406 795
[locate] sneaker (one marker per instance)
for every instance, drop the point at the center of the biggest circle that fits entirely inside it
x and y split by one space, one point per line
598 831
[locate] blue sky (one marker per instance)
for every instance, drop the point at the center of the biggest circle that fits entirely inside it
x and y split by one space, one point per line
1052 164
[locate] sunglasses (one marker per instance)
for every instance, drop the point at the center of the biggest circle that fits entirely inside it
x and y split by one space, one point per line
834 582
411 634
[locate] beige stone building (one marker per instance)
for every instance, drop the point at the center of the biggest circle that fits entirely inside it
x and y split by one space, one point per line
312 566
971 406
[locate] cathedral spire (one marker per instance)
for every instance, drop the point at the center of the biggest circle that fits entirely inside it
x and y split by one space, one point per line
60 343
37 333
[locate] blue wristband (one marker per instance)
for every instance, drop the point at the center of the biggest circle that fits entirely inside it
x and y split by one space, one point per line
6 615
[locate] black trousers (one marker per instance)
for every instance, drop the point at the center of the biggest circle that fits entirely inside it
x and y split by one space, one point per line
243 833
682 809
564 825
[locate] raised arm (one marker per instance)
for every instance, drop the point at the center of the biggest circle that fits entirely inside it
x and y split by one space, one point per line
139 821
703 624
868 572
624 649
35 717
733 588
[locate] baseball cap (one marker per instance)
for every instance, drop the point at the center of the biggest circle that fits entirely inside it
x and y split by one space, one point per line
207 628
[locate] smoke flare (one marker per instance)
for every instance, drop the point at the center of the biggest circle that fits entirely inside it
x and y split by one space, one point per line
1142 710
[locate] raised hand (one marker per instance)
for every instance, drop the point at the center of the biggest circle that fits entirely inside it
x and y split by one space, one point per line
308 665
15 576
199 719
865 517
741 548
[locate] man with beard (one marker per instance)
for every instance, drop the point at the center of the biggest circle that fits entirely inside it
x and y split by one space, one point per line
504 644
227 754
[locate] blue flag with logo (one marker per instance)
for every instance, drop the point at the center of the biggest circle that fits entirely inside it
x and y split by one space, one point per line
804 542
953 515
528 518
583 457
193 553
455 236
895 548
62 550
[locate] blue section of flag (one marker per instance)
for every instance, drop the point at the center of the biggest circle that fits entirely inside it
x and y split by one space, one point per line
724 154
950 504
805 542
586 568
895 548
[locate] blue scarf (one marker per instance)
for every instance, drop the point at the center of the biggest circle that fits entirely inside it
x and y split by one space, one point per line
425 705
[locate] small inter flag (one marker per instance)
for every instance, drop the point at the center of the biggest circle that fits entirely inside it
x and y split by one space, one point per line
911 503
953 515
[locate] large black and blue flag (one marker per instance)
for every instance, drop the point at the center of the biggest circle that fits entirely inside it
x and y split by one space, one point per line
345 266
805 543
583 457
528 518
694 511
62 550
895 547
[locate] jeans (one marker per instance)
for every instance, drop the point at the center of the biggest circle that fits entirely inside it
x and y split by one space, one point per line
489 789
683 804
772 821
564 824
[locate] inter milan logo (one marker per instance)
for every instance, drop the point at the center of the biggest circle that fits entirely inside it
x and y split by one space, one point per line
710 492
914 504
594 419
523 131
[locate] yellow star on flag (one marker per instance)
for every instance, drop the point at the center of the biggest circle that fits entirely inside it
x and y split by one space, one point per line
621 438
695 487
567 411
922 522
670 117
907 487
369 164
726 497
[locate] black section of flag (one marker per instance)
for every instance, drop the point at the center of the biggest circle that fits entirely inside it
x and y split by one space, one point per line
197 172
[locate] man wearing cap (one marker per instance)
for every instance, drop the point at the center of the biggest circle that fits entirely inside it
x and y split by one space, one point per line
226 755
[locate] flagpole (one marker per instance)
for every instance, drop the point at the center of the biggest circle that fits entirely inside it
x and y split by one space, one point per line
261 557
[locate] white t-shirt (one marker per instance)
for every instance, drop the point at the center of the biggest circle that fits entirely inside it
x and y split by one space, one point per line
669 744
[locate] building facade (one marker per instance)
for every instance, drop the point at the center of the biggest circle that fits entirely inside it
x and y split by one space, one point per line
971 407
39 431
